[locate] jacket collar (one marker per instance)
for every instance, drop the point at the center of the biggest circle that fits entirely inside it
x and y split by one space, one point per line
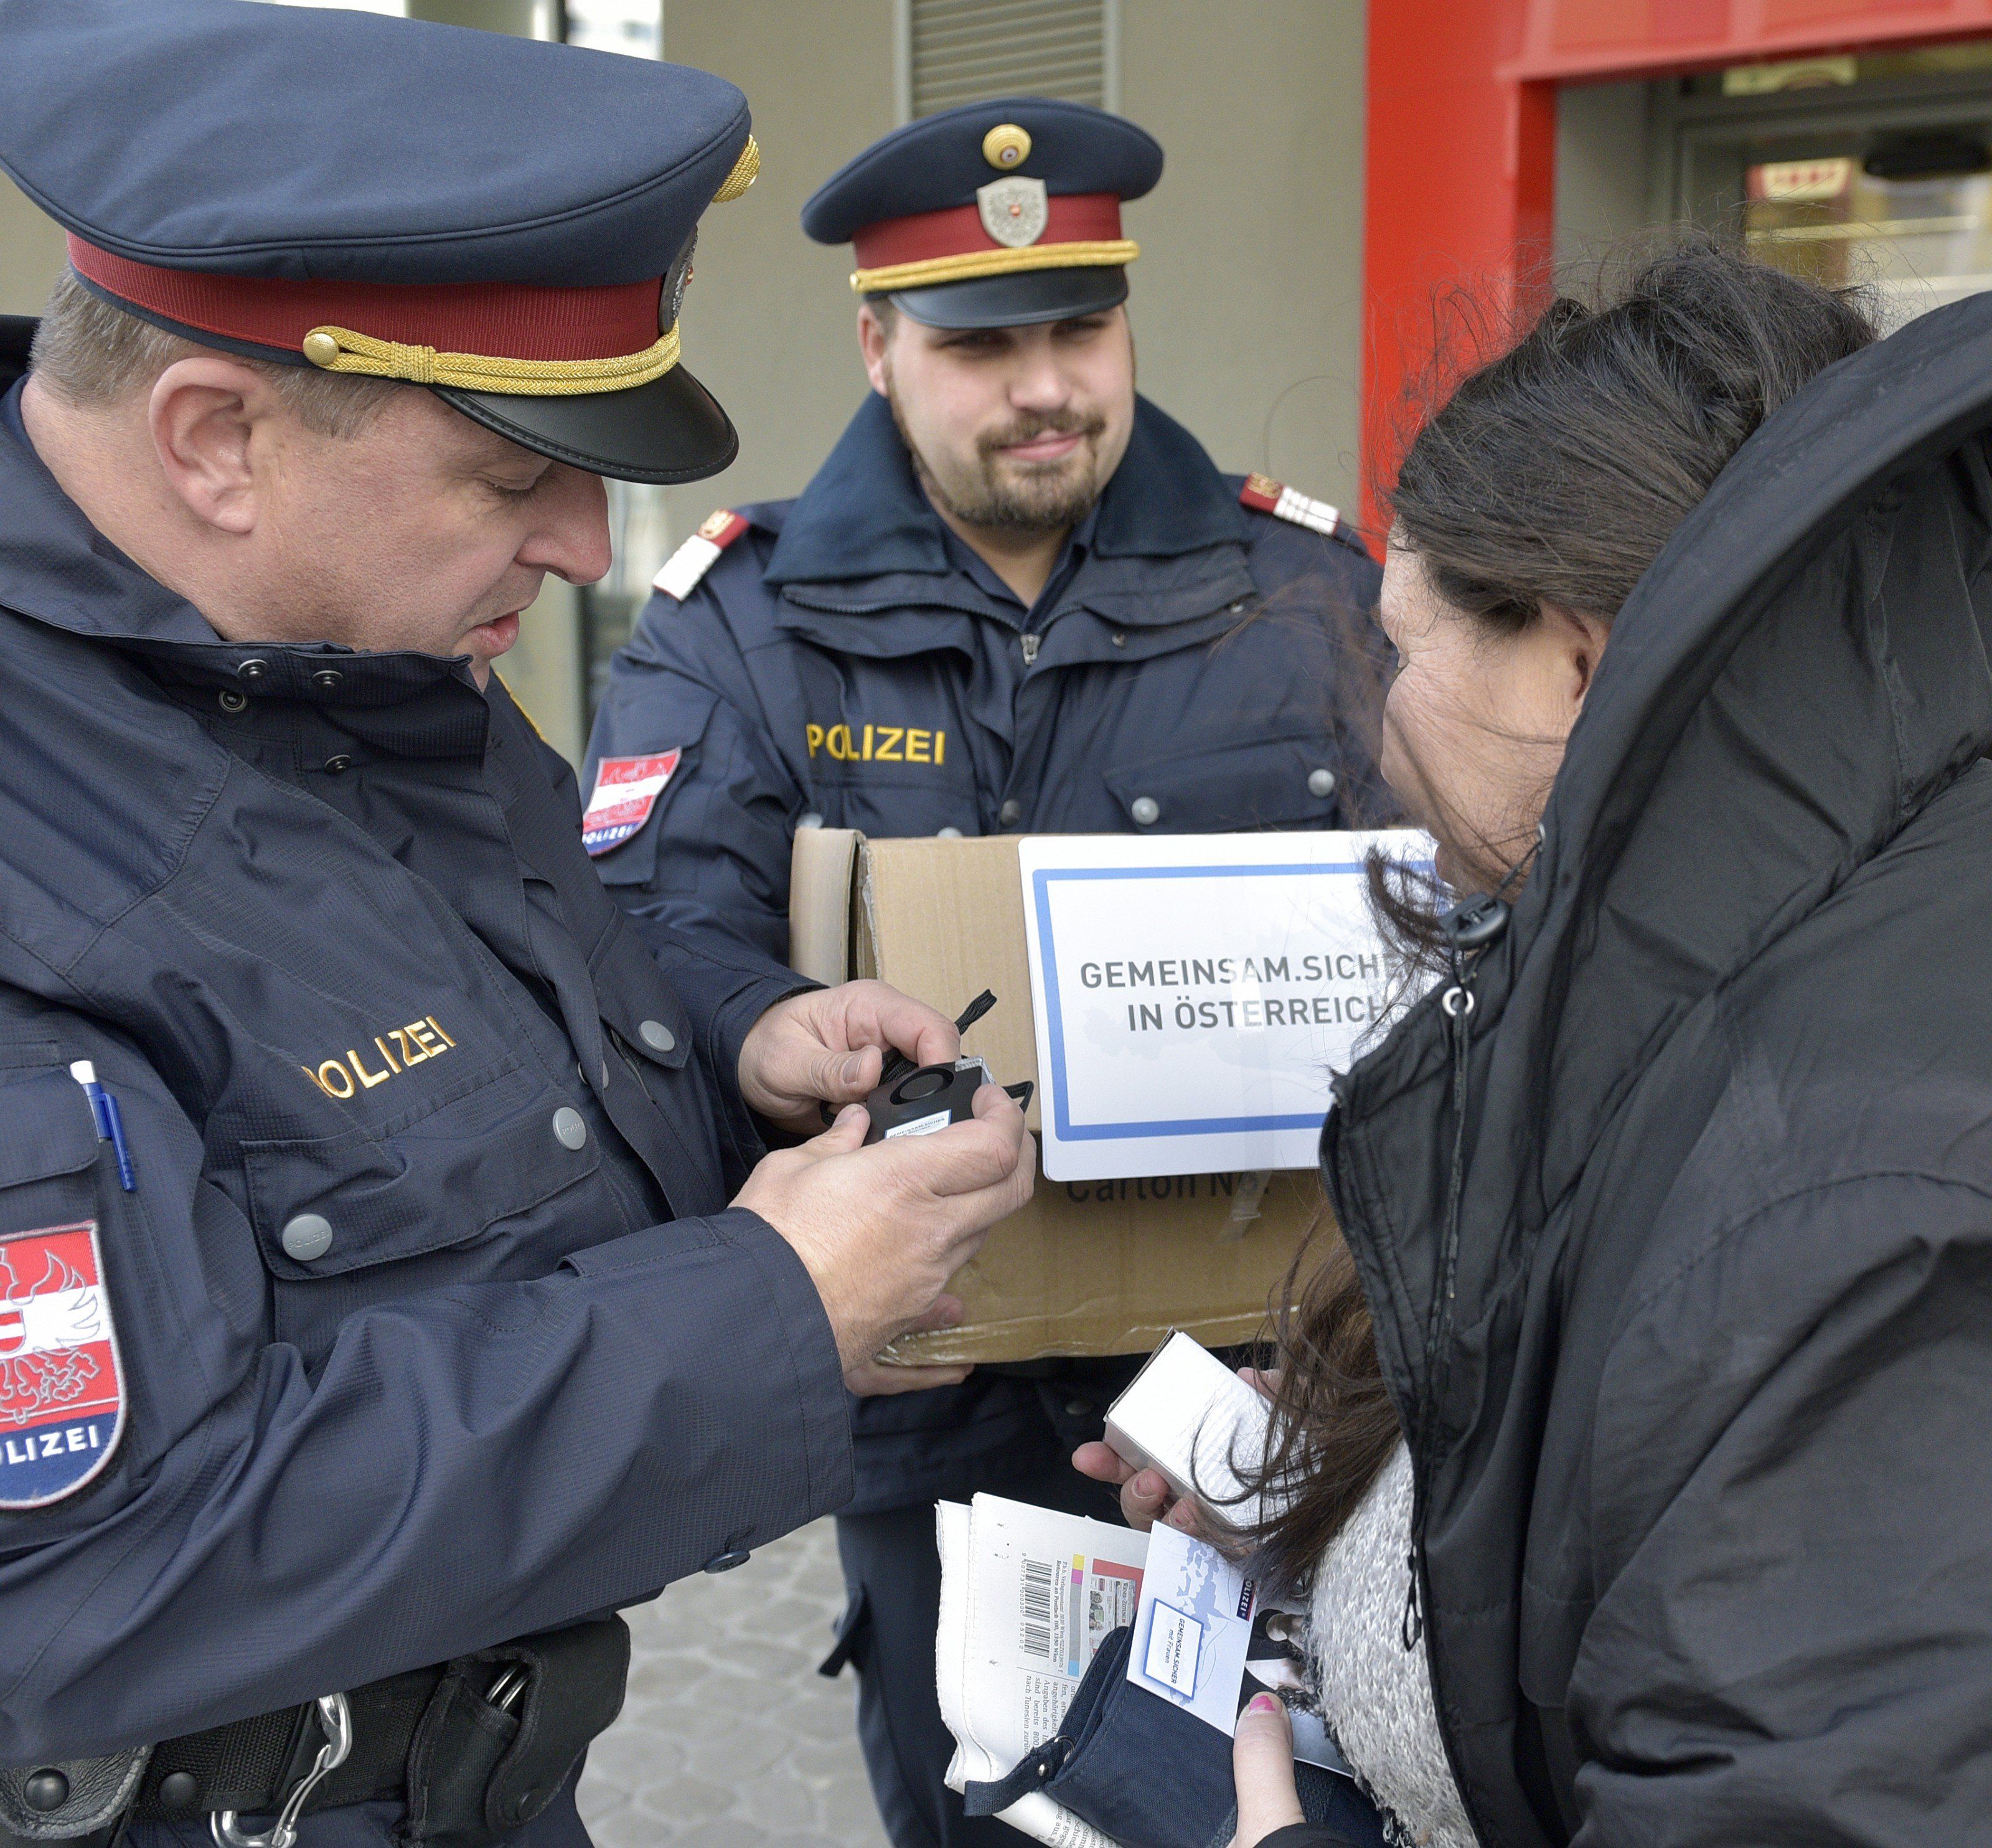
865 516
57 568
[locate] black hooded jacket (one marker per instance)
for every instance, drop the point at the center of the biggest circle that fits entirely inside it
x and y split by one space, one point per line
1702 1422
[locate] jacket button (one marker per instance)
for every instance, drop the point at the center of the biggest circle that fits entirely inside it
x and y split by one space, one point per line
254 668
809 818
230 700
947 833
46 1790
568 1129
1119 638
178 1790
1079 1408
655 1035
338 764
1011 813
328 680
1146 810
1321 782
306 1236
726 1562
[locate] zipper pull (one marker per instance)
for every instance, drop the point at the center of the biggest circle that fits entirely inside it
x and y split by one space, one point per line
1029 644
1413 1627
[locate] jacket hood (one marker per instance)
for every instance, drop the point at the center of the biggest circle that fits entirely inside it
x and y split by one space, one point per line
1802 668
863 514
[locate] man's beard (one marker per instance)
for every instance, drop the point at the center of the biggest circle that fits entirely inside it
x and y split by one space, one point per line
1026 496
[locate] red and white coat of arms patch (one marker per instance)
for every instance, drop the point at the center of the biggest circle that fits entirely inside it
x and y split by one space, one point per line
62 1389
626 789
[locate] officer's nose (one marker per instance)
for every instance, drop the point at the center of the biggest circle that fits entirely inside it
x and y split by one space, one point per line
1039 383
571 539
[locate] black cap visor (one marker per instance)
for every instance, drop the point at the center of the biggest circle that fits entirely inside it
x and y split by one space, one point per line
1023 299
671 430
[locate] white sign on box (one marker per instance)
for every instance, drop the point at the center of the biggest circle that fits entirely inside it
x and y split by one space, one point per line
1193 992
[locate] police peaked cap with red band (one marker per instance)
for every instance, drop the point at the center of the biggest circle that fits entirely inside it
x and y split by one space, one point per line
995 214
507 222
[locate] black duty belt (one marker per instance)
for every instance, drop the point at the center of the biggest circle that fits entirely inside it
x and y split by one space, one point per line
474 1748
250 1767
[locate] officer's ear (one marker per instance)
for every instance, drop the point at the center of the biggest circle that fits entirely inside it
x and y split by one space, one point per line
874 337
211 417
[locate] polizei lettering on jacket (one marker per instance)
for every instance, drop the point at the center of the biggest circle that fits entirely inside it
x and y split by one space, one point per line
877 743
1189 1012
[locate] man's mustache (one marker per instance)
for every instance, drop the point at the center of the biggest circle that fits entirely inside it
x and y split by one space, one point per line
1026 429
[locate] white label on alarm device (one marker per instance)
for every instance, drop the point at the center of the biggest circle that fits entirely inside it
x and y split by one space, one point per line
920 1126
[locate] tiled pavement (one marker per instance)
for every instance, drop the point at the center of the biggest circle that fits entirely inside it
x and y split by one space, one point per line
729 1738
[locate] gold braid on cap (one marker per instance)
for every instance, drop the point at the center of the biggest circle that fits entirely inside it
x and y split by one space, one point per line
1100 253
746 170
340 349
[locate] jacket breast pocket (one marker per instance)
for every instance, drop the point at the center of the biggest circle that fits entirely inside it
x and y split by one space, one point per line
486 1149
1231 787
48 1150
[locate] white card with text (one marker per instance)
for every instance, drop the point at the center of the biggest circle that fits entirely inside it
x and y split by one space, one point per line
1194 993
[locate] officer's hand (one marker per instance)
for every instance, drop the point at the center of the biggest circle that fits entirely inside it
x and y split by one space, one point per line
869 1379
1262 1765
830 1045
881 1230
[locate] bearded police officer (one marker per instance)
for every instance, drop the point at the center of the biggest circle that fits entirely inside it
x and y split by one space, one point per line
1016 597
375 1319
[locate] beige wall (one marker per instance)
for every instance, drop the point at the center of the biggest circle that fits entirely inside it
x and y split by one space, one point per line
768 319
1246 298
31 252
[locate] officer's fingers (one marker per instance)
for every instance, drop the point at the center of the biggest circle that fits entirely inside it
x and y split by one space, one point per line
873 1379
838 1077
848 1132
1262 1763
982 1154
946 1313
1103 1462
880 1015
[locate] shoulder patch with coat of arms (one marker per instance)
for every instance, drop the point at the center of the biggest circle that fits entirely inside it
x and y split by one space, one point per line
1266 496
692 560
61 1383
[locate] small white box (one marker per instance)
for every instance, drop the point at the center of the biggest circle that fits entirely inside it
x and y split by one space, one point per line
1189 1416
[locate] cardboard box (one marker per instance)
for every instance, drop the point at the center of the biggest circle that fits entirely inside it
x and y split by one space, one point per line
1093 1268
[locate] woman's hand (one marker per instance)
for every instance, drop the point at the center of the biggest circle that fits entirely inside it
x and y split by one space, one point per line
1145 1497
1262 1764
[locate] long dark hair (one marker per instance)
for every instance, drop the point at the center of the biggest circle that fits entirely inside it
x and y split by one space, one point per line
1553 474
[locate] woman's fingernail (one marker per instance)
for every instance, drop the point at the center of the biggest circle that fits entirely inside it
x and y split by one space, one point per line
1263 1703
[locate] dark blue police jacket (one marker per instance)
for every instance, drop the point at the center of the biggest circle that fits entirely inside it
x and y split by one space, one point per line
326 931
848 660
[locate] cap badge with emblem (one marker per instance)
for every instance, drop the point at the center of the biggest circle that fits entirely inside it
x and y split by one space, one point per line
1014 211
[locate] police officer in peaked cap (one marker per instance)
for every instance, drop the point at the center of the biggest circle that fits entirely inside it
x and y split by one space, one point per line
1016 598
392 1282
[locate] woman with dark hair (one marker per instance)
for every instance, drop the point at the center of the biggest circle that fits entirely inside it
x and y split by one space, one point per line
1633 1451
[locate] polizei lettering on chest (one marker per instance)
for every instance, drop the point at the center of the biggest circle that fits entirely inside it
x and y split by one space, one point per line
394 1051
877 743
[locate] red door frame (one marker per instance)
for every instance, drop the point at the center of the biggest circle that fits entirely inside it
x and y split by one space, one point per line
1460 142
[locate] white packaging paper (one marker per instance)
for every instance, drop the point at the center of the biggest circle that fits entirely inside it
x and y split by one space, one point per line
1028 1595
